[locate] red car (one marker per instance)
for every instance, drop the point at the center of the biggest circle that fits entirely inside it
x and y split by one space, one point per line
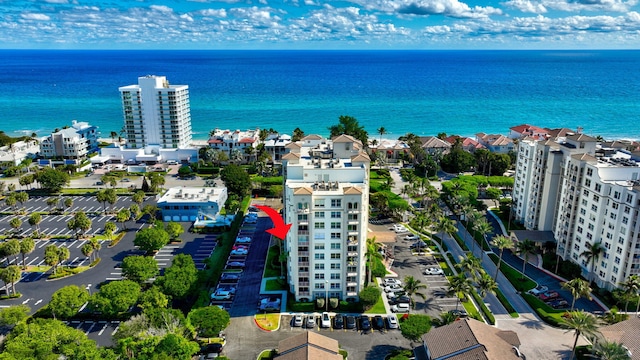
549 295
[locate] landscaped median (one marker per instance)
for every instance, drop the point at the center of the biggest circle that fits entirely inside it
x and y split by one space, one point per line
268 322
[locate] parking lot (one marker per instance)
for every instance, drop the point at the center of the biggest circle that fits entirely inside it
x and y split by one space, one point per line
100 331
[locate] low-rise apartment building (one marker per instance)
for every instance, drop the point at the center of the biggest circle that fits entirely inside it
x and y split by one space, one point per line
74 142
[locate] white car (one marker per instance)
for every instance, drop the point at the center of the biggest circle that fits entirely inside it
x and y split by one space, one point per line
400 308
221 295
434 271
325 320
412 237
390 282
243 239
240 251
297 320
392 322
393 288
540 289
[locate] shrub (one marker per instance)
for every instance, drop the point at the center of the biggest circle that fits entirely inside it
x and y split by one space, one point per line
333 303
320 303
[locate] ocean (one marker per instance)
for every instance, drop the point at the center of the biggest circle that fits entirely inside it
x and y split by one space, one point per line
424 92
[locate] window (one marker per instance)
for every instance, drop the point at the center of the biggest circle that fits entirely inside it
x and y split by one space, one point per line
352 216
616 195
335 266
318 225
335 285
598 187
335 225
335 256
589 172
352 206
587 183
320 203
335 235
615 206
319 286
319 276
594 208
584 202
585 192
335 276
335 214
581 220
318 256
335 246
303 217
336 202
629 198
319 266
590 226
319 214
596 197
319 246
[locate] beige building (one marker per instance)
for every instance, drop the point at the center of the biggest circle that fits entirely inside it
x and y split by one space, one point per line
308 346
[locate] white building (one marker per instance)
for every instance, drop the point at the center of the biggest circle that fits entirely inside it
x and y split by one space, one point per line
191 203
275 145
74 142
17 152
235 142
585 196
326 199
156 113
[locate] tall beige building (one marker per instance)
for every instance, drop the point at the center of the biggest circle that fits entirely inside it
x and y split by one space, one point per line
326 199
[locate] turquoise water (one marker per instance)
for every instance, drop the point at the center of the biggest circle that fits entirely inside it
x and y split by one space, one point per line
424 92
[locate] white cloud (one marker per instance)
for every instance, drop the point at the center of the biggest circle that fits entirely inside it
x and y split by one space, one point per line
526 6
161 8
451 8
35 16
540 6
213 12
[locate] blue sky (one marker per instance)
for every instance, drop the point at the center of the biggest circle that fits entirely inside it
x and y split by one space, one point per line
314 24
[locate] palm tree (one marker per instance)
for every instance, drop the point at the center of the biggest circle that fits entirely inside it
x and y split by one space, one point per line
26 247
446 318
382 130
582 323
484 228
501 242
372 253
630 289
592 254
524 248
611 350
470 265
445 225
486 285
459 284
578 288
413 287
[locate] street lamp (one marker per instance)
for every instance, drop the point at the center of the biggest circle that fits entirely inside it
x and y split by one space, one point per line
326 295
89 289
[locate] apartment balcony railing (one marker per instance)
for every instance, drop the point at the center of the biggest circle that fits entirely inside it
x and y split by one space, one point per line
352 254
303 283
352 293
303 263
303 253
303 232
304 293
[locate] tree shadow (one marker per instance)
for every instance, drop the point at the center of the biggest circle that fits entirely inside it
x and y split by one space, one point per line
379 352
533 324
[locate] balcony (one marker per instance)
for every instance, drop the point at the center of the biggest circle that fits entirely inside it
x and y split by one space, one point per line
303 263
303 273
349 293
352 254
349 274
303 283
303 253
304 293
303 232
352 284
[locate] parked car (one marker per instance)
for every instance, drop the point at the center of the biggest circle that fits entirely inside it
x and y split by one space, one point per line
338 321
402 299
400 308
215 348
221 295
243 239
378 322
434 271
412 237
325 320
235 264
365 323
297 320
269 304
558 303
538 290
390 282
418 244
253 209
549 295
392 321
461 313
393 288
241 251
349 322
230 276
311 321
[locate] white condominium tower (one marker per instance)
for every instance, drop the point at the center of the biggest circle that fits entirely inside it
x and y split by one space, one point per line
156 113
585 194
326 199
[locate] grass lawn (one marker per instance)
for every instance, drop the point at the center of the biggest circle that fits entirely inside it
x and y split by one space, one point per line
515 277
377 308
268 321
275 284
272 267
266 355
41 268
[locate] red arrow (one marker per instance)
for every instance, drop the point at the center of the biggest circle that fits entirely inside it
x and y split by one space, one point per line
280 229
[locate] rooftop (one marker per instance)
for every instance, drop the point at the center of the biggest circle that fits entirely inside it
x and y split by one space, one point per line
192 194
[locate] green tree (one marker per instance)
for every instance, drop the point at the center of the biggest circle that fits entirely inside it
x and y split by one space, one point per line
80 223
524 248
115 297
95 244
52 180
501 242
179 278
109 228
151 239
460 286
176 347
483 227
87 250
499 163
68 203
349 125
16 223
51 257
22 197
123 216
10 275
209 321
578 288
236 179
592 254
12 248
298 134
581 323
139 268
26 247
610 350
50 339
11 201
174 230
471 265
415 326
494 194
412 287
63 254
630 288
444 225
446 318
369 296
106 196
457 159
381 130
13 315
138 197
486 285
51 202
34 220
67 301
153 298
150 210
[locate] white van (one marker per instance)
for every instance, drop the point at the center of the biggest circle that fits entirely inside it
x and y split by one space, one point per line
400 308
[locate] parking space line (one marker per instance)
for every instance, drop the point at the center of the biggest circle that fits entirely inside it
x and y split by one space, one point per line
30 262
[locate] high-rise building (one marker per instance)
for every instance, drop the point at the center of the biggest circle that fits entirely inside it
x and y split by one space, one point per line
326 199
586 195
156 113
